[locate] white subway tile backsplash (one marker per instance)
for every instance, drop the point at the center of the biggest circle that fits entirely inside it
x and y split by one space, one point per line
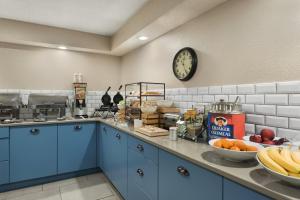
282 122
288 111
233 97
255 119
229 89
202 90
288 87
215 90
192 91
182 91
258 129
294 99
219 97
246 89
197 98
208 98
277 99
265 109
248 108
255 99
249 128
265 88
272 105
294 123
178 98
292 135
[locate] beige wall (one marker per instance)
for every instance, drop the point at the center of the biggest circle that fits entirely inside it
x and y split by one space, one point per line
24 67
241 41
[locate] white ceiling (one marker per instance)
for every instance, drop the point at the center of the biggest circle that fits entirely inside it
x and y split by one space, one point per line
104 17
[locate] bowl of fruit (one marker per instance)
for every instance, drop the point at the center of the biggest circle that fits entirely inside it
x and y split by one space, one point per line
267 138
281 162
234 149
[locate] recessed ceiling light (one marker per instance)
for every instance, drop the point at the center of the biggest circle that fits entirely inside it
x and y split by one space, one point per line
62 47
143 38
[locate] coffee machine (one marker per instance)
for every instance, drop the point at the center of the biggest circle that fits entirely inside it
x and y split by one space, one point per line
80 109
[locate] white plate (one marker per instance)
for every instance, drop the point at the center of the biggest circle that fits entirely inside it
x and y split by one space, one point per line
292 180
247 138
237 156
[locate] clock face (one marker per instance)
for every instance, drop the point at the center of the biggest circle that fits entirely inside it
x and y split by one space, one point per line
185 64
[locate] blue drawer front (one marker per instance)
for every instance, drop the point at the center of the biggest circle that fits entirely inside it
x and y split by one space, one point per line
76 147
144 149
4 149
33 152
234 191
4 132
199 184
141 186
4 172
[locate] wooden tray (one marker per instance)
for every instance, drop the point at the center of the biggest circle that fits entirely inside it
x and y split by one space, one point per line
150 121
150 116
168 110
152 131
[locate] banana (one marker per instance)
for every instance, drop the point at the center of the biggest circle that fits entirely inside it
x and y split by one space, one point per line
286 154
266 160
275 155
296 156
294 175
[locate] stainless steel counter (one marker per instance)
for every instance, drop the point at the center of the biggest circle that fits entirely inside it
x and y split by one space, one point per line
249 174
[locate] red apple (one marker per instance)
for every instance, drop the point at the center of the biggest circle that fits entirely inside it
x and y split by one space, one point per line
255 138
267 134
268 142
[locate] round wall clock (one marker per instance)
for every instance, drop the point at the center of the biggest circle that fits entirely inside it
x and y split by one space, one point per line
185 64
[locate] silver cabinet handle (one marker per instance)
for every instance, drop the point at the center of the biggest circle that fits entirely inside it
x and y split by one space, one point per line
140 147
34 131
77 127
140 172
183 171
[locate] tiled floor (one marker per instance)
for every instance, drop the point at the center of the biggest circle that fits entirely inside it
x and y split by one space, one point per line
90 187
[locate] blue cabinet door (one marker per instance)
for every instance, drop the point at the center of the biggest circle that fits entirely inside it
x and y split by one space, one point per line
106 149
4 172
33 152
76 147
234 191
4 149
118 162
142 177
179 179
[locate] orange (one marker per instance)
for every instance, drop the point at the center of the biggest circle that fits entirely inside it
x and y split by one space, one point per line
251 148
235 148
227 144
241 145
218 143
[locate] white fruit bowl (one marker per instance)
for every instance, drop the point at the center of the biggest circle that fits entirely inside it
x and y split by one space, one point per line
164 103
236 156
289 179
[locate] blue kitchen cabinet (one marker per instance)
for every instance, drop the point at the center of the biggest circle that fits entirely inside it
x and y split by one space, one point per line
76 147
234 191
179 179
4 149
118 162
142 170
106 149
4 172
113 154
4 132
33 152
